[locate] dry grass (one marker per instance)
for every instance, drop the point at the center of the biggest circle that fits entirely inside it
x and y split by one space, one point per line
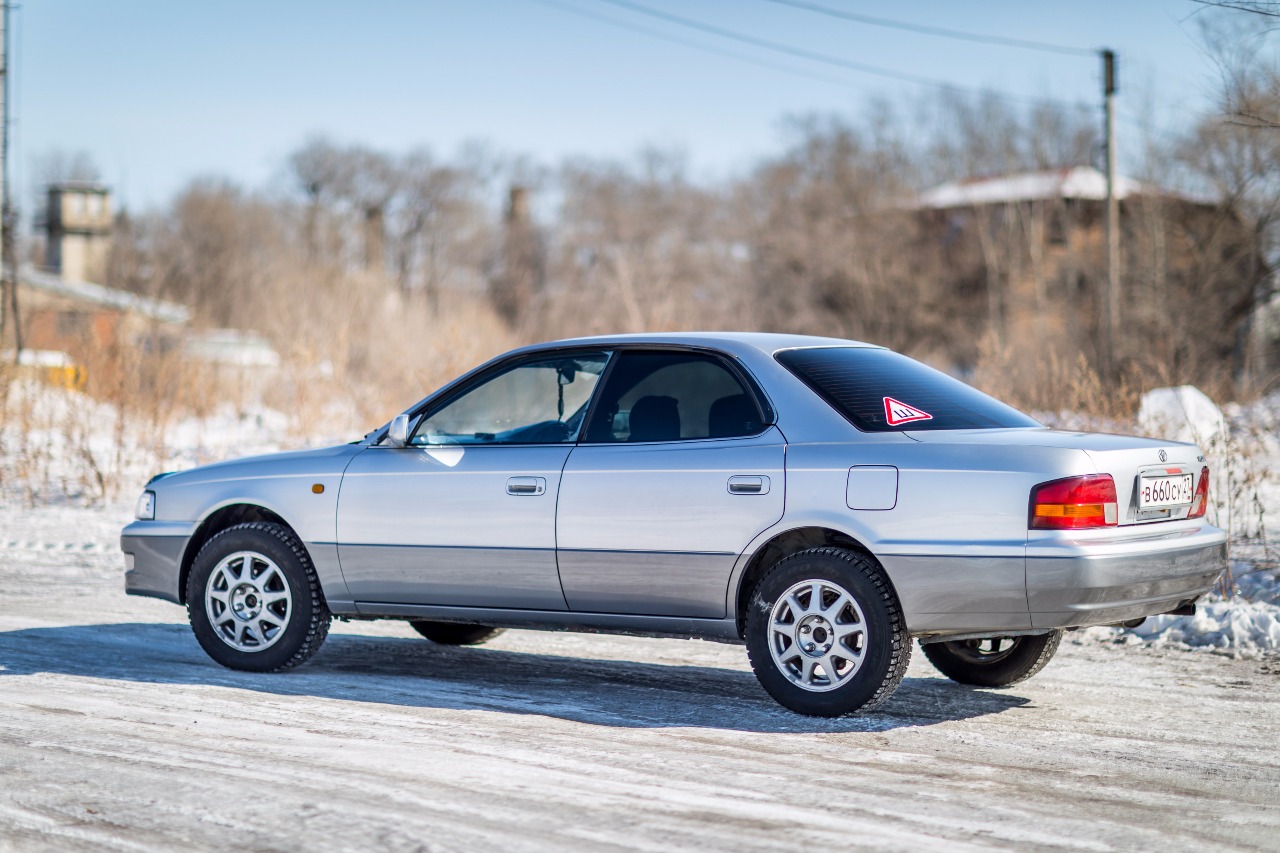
1048 382
353 356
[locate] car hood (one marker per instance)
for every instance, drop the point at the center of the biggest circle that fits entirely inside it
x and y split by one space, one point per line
320 460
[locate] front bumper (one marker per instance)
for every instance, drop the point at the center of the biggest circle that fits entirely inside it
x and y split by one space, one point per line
1104 577
153 558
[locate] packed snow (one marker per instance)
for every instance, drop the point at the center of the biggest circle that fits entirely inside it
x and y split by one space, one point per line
118 733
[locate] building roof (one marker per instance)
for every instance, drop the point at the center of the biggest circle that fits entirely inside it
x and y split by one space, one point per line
1079 182
108 297
79 187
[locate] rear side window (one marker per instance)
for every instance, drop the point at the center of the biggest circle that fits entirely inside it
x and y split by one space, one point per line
879 390
672 396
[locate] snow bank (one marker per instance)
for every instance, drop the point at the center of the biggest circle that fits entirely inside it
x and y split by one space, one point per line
1246 625
1184 413
1245 628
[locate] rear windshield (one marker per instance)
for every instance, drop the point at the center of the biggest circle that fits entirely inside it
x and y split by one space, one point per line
879 390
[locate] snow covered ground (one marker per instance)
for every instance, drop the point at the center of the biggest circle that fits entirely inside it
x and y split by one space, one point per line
118 733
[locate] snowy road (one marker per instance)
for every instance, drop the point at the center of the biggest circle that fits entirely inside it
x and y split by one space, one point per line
116 732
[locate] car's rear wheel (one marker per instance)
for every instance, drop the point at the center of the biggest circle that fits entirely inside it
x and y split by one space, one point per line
455 633
992 661
825 633
254 600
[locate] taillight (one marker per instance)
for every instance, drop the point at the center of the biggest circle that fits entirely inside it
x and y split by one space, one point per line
1075 503
1200 503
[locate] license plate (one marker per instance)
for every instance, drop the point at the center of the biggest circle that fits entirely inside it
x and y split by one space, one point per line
1164 491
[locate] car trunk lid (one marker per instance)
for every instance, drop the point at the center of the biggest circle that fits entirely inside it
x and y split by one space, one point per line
1128 459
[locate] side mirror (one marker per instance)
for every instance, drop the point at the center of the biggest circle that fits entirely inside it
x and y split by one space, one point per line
398 432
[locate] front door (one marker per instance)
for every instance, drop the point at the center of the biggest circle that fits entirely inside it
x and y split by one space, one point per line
464 514
674 477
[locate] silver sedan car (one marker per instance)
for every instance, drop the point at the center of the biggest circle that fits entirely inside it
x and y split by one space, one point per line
822 501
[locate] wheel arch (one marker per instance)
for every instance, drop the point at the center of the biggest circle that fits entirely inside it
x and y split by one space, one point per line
783 545
219 519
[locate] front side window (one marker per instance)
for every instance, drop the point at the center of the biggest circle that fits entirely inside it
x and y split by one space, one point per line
672 396
540 401
879 390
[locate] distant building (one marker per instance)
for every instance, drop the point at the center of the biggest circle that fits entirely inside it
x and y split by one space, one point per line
68 317
1027 252
79 317
78 230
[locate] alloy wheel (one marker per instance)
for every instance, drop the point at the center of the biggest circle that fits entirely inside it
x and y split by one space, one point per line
817 635
248 601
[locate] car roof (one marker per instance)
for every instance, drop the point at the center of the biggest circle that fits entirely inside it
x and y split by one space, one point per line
766 342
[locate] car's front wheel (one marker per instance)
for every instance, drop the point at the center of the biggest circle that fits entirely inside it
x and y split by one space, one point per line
825 633
455 633
254 600
992 661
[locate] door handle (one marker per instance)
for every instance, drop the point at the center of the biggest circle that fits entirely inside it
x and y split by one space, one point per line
743 484
526 486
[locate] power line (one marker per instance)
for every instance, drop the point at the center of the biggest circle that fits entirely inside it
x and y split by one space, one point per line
980 38
826 59
741 57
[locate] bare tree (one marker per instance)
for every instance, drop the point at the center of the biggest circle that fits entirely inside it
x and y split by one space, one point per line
1266 8
439 227
639 247
1249 77
834 241
320 171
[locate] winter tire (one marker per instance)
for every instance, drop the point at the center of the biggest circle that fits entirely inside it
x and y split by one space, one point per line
825 633
455 633
254 600
992 661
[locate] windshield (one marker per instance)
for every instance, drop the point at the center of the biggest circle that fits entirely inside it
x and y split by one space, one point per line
879 390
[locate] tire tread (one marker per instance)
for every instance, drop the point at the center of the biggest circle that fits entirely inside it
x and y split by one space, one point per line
900 652
965 672
318 629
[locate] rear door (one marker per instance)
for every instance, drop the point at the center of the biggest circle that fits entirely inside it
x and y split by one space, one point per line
677 472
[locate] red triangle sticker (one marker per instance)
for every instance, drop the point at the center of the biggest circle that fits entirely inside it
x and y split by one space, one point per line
897 412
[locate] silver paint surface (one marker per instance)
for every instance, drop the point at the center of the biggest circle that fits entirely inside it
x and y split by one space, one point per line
437 525
1096 577
653 528
651 539
872 487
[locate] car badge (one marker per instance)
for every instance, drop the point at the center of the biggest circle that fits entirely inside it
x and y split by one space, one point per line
1164 457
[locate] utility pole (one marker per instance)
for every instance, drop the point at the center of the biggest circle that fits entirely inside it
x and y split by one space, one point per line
8 260
1112 308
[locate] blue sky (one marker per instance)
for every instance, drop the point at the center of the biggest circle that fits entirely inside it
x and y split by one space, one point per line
160 92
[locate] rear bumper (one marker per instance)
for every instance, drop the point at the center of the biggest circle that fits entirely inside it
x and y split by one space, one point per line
153 558
1117 575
